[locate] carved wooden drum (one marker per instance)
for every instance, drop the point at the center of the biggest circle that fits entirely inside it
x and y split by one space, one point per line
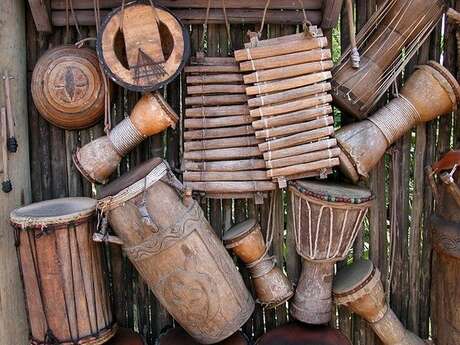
359 287
297 333
271 286
142 47
98 159
177 252
327 217
177 336
62 270
67 87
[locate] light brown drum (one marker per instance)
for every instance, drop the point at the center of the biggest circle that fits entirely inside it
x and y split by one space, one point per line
98 159
68 88
358 286
177 252
62 271
271 286
326 217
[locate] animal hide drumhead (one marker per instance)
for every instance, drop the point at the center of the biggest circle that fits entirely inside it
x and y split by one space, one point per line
67 87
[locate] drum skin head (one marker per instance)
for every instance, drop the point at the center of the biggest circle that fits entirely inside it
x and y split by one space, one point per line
302 334
239 230
177 336
352 276
126 336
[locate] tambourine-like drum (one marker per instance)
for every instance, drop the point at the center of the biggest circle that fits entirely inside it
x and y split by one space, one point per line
68 88
177 252
271 286
62 271
126 336
297 333
142 47
399 25
327 217
359 287
429 92
177 336
98 159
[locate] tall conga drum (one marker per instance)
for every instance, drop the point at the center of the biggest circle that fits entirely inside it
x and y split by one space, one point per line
177 336
398 26
326 217
98 159
358 286
271 286
429 92
175 250
62 271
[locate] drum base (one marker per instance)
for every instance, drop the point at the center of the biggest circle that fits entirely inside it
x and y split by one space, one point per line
103 337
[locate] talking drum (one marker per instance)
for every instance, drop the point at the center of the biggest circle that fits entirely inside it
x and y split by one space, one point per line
359 287
68 88
98 159
177 336
66 297
399 25
327 218
142 47
271 286
429 92
177 252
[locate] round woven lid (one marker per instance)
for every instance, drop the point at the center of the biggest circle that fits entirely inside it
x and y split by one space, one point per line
352 276
240 230
53 212
333 192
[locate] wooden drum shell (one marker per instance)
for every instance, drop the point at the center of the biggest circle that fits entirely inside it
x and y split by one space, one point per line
184 263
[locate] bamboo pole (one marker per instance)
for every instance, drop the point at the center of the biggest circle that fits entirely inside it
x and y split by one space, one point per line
304 158
218 132
252 175
216 122
215 88
212 69
301 168
231 186
299 104
225 110
238 165
291 118
300 149
220 143
216 100
215 78
281 39
296 128
222 154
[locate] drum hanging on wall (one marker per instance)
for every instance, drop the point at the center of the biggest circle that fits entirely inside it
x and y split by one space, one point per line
67 87
142 47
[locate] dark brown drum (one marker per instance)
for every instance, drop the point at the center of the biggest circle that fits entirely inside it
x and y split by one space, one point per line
126 336
177 252
301 334
326 217
67 87
177 336
62 271
142 47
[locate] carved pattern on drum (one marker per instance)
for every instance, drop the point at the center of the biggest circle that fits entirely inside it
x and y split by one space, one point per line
73 82
446 237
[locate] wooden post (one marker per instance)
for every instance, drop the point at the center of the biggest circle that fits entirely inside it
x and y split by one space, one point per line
13 321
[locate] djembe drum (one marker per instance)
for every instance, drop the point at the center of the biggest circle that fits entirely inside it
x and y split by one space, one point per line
271 286
177 252
399 25
68 88
142 47
429 92
61 267
177 336
326 218
98 159
289 104
126 336
297 333
358 286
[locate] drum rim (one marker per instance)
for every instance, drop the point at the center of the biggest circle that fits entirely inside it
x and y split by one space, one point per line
243 234
35 221
132 87
448 77
363 281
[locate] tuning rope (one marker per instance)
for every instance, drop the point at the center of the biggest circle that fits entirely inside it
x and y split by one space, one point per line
267 4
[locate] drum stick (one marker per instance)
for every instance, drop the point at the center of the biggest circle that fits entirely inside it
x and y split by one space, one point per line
6 183
12 143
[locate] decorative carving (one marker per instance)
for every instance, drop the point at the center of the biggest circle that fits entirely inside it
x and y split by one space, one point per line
446 236
73 82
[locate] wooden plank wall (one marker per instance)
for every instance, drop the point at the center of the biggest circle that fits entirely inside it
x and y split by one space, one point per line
395 235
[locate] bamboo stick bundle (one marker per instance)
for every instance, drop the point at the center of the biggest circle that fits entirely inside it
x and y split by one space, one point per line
288 97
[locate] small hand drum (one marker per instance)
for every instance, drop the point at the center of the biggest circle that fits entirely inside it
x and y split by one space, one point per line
302 334
67 87
142 47
177 336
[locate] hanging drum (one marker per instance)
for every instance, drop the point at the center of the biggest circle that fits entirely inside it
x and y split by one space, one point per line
359 288
271 286
142 47
385 44
62 271
429 92
177 336
297 333
326 217
177 253
68 87
287 86
98 159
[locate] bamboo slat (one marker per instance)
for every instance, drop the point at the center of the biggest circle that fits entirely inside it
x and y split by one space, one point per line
296 128
218 132
303 158
232 186
239 165
222 154
225 110
252 175
288 107
220 143
217 121
291 118
216 100
302 168
300 149
215 78
215 88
